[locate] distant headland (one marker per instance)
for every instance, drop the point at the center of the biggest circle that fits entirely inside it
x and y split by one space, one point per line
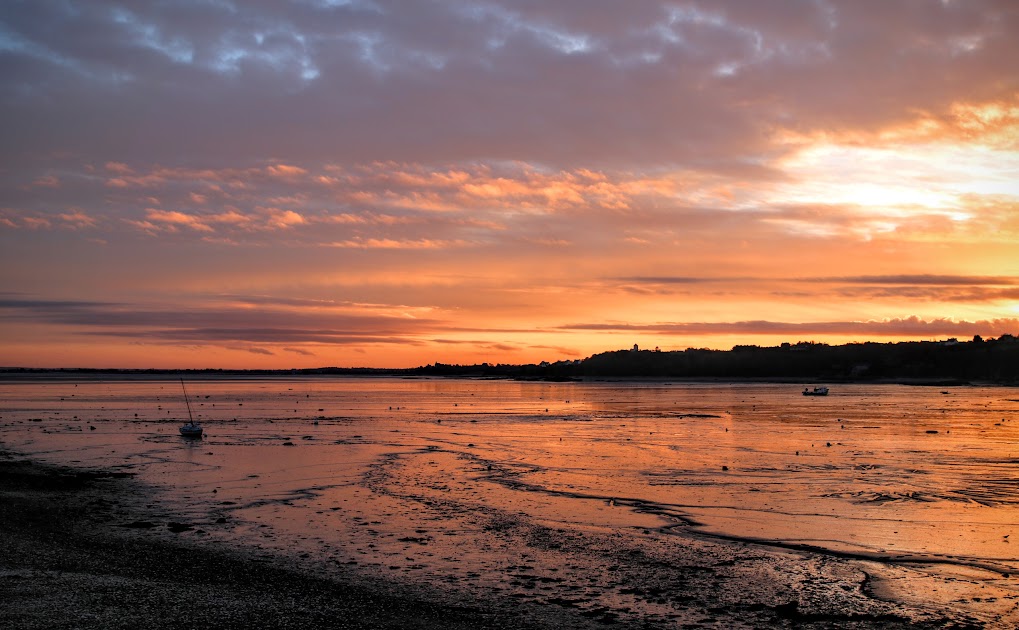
944 362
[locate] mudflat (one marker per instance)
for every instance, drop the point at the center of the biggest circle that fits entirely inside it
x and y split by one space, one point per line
393 503
86 549
81 552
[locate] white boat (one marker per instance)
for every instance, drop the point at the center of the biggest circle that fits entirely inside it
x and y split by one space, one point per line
817 391
189 429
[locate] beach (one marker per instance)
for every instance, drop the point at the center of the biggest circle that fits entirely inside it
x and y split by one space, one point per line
469 505
82 550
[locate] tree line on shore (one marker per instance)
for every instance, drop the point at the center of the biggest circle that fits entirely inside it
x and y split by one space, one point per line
949 361
977 360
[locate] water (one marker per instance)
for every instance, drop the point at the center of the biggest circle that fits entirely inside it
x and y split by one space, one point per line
477 483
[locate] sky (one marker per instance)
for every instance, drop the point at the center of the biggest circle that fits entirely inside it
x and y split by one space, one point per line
391 183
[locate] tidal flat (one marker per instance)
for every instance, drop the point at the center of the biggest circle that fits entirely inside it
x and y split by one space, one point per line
565 504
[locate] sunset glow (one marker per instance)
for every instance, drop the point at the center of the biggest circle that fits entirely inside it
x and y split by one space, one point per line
393 184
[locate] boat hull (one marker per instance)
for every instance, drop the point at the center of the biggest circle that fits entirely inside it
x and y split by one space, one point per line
191 431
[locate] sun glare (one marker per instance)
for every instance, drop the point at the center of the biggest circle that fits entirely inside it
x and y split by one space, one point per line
920 176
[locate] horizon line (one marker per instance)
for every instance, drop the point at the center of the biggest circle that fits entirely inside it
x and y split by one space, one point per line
949 340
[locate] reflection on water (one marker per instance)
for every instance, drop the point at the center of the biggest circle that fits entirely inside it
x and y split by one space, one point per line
397 474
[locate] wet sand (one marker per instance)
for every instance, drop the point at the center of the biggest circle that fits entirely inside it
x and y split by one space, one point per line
86 549
483 506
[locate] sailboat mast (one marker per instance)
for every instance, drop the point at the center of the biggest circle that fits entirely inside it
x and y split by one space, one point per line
186 402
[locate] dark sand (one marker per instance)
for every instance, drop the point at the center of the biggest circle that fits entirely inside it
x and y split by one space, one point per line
81 551
89 549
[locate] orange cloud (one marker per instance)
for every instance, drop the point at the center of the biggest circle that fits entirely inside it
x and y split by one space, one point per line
119 167
77 219
374 243
175 218
283 218
36 223
285 170
230 217
994 123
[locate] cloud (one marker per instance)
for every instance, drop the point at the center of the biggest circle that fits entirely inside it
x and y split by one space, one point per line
894 288
390 203
501 347
76 219
230 217
302 322
220 322
969 295
173 218
664 280
920 279
17 301
46 181
910 327
285 171
340 79
36 223
509 165
119 167
375 243
277 218
929 287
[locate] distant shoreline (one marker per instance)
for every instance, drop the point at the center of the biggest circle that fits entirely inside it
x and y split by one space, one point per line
937 363
93 375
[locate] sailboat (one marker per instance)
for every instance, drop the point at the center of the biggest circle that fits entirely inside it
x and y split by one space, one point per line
189 429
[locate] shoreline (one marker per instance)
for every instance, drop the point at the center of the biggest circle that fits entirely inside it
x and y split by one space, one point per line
93 548
75 375
930 362
473 504
87 549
